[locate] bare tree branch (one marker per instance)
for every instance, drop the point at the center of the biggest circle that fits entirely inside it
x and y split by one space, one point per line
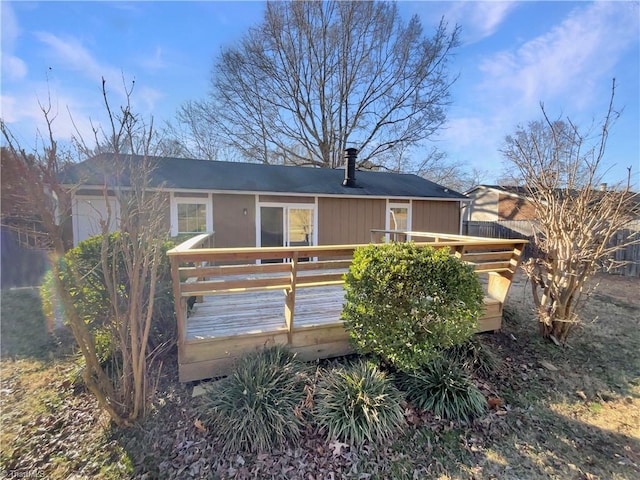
316 77
577 213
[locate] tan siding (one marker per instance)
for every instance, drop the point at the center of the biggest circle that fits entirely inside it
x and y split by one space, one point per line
348 220
484 206
435 216
232 228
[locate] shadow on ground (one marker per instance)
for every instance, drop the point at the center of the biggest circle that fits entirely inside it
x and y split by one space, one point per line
23 328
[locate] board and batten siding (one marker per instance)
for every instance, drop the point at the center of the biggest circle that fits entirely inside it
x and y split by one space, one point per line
231 226
349 220
435 216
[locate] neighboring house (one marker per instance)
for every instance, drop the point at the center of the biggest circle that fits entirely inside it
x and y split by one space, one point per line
493 203
269 205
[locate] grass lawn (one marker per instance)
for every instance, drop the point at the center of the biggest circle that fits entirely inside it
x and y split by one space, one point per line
567 413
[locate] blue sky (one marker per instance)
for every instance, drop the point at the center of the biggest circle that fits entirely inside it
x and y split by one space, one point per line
513 55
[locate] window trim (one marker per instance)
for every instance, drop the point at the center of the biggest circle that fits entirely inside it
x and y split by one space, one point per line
175 201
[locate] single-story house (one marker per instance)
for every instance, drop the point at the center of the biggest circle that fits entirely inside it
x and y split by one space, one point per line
495 203
254 205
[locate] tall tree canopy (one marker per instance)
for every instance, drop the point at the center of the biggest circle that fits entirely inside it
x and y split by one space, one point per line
317 77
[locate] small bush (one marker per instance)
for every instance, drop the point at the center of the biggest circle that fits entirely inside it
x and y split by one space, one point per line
258 406
82 275
406 303
474 356
358 403
444 389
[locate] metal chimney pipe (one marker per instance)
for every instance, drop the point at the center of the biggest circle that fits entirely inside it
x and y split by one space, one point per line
350 155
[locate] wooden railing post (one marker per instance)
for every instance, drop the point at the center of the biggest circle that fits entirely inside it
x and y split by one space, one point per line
178 301
290 297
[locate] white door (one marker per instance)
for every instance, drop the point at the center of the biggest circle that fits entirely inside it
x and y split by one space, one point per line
88 215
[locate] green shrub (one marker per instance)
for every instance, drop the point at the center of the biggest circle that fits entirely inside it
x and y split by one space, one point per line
82 275
445 389
405 303
358 403
474 356
258 406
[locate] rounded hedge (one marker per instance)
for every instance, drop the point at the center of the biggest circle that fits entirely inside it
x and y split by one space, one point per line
406 303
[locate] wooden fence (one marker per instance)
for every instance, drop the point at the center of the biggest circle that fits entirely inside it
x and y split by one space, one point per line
626 260
21 264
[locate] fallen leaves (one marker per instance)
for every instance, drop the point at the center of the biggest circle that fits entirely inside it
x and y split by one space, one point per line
198 424
336 447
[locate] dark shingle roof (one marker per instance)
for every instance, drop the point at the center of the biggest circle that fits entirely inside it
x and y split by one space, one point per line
192 174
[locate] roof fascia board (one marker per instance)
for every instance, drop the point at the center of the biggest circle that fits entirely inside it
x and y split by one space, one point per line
290 194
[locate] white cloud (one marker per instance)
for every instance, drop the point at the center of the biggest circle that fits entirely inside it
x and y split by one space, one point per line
567 61
155 61
69 53
13 68
478 19
569 68
73 55
23 112
10 28
149 97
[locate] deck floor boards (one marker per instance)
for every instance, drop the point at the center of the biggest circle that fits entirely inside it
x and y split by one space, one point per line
260 312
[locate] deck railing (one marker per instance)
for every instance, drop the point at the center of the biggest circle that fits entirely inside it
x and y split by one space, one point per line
198 272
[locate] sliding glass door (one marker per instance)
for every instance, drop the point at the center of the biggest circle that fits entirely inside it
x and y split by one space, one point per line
271 227
287 225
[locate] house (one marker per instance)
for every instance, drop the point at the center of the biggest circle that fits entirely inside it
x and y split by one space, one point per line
256 205
494 203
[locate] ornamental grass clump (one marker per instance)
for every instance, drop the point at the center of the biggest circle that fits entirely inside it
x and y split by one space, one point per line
445 389
406 303
358 403
258 407
474 356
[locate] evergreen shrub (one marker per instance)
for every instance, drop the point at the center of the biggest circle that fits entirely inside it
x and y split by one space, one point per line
406 303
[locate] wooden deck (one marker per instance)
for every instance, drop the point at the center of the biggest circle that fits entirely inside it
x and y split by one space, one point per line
221 316
243 305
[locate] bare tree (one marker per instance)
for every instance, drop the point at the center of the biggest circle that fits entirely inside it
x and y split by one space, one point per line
195 131
562 169
452 174
317 77
125 393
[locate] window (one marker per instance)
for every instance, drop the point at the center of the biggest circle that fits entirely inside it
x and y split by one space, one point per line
192 218
398 218
191 215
